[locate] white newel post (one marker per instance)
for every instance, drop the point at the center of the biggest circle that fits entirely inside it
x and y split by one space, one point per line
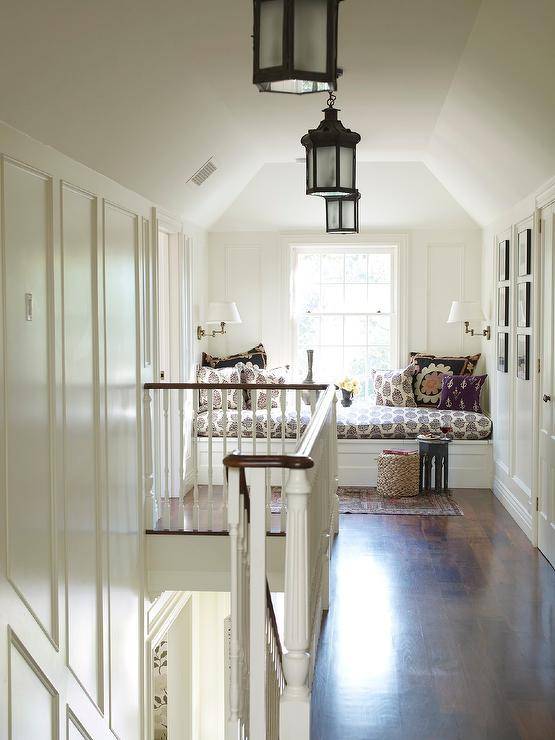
295 700
235 597
150 507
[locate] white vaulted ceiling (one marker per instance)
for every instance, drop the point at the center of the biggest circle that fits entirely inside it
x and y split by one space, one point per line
455 94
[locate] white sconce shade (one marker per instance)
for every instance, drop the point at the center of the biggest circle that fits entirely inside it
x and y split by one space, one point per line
219 312
465 311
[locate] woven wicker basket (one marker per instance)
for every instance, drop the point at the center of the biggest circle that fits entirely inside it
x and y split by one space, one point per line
398 475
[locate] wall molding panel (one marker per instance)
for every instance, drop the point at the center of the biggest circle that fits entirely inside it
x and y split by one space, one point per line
29 377
33 701
74 272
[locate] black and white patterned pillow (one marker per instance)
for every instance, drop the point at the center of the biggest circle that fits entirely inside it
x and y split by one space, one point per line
221 376
252 374
394 387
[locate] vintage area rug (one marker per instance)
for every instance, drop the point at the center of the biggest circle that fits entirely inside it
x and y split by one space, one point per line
365 500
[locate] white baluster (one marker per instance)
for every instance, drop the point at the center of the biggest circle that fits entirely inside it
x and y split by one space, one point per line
313 399
166 508
257 646
269 451
254 406
181 415
235 598
194 454
210 461
298 410
150 504
295 701
283 406
240 420
224 476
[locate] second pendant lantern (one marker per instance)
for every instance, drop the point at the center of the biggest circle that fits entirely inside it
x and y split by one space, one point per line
331 157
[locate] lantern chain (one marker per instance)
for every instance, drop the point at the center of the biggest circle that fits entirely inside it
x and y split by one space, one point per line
331 100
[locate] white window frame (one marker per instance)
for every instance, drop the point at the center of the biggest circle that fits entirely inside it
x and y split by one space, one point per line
396 244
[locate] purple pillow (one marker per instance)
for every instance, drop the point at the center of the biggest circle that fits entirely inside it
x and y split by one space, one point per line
461 393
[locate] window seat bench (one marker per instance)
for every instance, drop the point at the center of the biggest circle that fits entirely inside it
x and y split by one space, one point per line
363 431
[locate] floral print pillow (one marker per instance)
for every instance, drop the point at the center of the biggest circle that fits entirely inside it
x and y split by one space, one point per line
394 387
253 374
428 378
221 376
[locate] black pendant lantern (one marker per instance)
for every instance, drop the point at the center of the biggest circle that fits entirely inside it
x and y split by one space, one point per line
331 156
295 45
342 214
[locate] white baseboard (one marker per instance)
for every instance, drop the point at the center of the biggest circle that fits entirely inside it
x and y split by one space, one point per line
515 508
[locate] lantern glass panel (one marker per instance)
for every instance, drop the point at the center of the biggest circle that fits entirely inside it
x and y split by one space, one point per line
271 34
310 162
346 160
333 214
311 27
348 220
325 167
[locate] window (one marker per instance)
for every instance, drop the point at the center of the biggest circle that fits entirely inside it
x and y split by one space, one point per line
345 310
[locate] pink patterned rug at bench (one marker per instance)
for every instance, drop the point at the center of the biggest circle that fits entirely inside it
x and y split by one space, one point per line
365 500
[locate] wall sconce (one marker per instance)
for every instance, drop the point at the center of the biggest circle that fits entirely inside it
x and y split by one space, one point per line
221 313
465 312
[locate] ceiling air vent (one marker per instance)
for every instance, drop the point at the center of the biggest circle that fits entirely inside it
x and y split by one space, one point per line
202 174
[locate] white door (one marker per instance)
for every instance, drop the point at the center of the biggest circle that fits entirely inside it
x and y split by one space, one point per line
546 502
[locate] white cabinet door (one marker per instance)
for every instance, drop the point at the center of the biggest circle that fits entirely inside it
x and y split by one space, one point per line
546 503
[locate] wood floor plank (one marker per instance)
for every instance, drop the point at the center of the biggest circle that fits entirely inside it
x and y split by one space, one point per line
439 627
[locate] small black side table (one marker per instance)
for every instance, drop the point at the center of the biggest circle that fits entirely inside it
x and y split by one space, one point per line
434 453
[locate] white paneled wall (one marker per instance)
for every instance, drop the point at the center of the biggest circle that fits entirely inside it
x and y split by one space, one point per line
248 267
75 311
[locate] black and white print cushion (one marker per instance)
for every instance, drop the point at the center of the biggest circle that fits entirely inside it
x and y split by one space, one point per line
394 387
252 374
360 421
222 376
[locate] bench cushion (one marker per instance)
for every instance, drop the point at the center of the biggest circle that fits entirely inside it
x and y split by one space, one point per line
360 421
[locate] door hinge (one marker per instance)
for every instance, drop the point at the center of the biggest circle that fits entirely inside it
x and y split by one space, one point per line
540 226
538 504
539 364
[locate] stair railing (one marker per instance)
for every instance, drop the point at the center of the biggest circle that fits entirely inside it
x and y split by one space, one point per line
262 673
182 459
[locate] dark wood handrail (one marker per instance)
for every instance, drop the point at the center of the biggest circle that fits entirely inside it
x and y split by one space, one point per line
235 386
301 459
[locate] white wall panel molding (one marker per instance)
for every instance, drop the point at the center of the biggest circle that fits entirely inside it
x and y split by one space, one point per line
33 702
82 443
29 389
74 728
443 260
243 284
123 459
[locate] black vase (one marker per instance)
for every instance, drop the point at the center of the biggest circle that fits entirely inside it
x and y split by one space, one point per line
347 399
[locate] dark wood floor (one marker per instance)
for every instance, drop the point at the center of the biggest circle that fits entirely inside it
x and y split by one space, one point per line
440 627
210 521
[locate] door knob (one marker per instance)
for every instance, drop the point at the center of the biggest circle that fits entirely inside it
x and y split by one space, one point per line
546 398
